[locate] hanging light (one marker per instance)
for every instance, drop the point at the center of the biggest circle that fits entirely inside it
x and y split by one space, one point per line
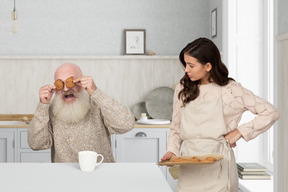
14 16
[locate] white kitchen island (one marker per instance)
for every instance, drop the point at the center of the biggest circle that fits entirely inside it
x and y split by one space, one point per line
48 177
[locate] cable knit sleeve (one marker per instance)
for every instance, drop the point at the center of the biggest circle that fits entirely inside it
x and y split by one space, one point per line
266 113
117 118
40 131
174 141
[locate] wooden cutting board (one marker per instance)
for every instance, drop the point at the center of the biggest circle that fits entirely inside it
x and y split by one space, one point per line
201 157
174 170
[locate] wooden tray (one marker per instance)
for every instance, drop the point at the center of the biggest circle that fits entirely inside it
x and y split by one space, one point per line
201 157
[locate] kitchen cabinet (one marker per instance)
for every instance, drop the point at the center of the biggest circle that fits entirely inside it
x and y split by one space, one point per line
7 145
25 154
144 145
14 147
172 182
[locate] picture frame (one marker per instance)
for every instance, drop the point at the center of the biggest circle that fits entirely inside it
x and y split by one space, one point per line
214 23
135 41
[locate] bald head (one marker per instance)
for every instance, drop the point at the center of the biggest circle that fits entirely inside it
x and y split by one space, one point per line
67 70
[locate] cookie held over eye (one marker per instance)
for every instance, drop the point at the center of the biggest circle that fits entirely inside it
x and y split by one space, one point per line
69 82
59 84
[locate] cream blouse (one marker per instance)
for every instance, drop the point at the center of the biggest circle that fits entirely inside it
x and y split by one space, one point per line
235 101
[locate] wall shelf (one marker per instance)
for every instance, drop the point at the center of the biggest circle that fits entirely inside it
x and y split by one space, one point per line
89 57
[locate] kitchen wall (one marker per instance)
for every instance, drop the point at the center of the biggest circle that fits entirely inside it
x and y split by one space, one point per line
282 93
91 34
282 16
212 5
128 79
75 27
282 132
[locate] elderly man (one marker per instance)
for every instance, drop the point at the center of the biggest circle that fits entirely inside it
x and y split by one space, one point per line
77 118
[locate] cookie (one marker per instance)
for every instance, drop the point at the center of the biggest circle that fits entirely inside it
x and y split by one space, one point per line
209 159
59 84
69 82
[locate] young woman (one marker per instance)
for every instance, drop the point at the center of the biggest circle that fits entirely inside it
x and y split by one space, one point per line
208 106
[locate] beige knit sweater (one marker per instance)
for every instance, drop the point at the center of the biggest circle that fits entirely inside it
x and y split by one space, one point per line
104 118
235 101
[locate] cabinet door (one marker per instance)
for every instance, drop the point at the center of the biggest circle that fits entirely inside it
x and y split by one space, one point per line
7 149
26 155
141 145
172 182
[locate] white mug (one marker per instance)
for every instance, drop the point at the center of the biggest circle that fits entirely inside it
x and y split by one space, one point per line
88 160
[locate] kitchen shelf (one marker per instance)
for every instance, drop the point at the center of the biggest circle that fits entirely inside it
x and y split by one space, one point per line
256 185
89 57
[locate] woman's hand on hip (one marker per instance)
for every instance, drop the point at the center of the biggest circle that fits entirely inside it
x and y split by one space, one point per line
232 137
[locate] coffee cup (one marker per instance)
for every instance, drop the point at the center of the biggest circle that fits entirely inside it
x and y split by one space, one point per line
88 160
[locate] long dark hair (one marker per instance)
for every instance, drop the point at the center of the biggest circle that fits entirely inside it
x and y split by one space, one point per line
205 51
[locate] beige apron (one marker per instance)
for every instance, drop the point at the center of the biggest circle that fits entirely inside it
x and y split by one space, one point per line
202 131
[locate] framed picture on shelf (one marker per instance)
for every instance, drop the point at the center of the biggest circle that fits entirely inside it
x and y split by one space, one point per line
134 40
214 23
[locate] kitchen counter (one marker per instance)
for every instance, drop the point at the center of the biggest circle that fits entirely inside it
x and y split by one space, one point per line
47 177
22 121
15 120
150 126
21 124
14 124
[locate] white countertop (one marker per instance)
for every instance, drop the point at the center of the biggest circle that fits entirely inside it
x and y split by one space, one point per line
48 177
21 124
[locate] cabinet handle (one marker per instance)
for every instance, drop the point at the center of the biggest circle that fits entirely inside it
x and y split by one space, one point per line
141 134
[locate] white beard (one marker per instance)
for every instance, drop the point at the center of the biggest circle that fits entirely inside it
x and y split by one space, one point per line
72 112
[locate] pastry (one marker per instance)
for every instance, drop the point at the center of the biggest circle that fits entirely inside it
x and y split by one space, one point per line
179 160
69 82
59 84
193 159
209 159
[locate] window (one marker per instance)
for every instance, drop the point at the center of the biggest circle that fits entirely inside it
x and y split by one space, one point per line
269 27
248 53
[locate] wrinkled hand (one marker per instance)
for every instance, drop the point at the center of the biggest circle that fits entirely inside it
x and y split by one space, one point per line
87 83
233 137
46 92
168 156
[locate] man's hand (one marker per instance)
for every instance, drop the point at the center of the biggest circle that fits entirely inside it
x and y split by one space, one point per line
232 137
87 83
45 93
